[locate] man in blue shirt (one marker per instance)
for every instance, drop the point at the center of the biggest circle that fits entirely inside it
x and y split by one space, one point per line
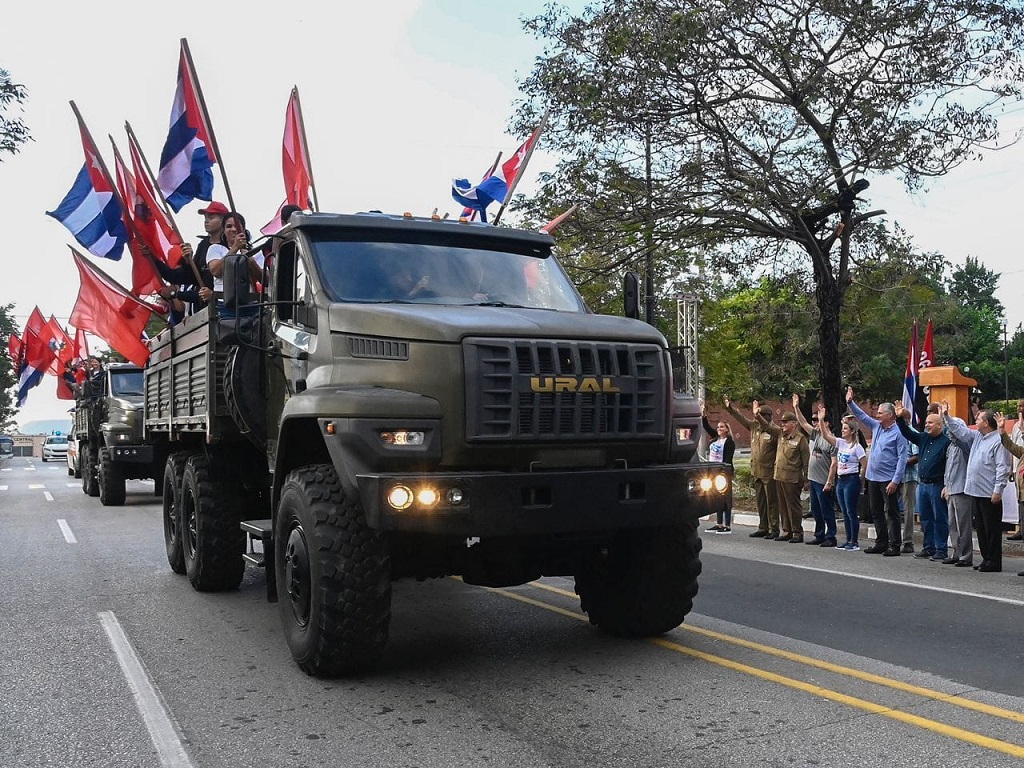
887 461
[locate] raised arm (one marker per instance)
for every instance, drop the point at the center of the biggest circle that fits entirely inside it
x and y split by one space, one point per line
748 423
800 417
824 428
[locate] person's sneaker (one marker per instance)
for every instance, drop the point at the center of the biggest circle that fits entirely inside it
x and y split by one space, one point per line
891 553
713 529
924 554
724 529
877 549
828 543
758 534
938 557
908 548
1018 536
852 547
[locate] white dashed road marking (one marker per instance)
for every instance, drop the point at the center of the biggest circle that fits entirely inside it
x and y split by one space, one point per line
69 537
48 495
36 486
161 730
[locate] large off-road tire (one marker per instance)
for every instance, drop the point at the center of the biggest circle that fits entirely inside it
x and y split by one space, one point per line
111 481
643 583
171 487
212 541
90 484
333 576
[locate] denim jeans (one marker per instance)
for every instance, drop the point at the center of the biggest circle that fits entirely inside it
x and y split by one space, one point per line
823 509
848 493
934 513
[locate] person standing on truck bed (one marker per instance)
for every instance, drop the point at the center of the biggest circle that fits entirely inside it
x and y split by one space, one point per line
182 276
237 241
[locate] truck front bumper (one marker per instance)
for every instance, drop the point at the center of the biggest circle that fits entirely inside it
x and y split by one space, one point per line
136 454
516 504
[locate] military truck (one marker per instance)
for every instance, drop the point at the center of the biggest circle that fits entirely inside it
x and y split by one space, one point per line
108 434
419 398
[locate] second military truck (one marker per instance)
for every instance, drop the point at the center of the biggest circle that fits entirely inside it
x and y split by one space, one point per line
423 398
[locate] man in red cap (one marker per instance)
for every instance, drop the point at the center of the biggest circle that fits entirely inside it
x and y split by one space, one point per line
183 276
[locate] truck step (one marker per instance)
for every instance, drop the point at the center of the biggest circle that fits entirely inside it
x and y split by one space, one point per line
256 558
261 530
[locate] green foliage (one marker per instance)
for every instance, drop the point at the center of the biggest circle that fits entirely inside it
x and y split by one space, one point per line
13 131
8 378
974 285
728 135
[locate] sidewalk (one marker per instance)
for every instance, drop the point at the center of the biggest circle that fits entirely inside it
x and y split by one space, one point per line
867 532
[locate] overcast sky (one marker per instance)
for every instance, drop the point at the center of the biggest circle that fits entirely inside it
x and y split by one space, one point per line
398 96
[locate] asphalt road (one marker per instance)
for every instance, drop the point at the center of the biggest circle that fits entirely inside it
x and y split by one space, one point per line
793 656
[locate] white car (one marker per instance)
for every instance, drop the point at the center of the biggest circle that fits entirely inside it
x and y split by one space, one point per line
55 447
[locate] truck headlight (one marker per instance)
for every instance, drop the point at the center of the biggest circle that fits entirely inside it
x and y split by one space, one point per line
400 497
683 434
721 483
402 437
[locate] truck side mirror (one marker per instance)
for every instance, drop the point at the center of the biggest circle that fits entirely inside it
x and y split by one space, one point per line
236 281
631 295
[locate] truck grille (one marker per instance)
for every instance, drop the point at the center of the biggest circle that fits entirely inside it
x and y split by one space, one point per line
563 390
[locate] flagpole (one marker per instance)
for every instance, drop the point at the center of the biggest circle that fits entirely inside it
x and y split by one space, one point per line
163 201
191 73
305 146
553 224
534 140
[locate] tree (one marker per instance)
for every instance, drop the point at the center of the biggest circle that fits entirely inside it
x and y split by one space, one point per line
8 377
752 126
13 131
975 286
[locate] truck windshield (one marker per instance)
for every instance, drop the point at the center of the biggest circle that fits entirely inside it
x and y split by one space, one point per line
396 272
126 383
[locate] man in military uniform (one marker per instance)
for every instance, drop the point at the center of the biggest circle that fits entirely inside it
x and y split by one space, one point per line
791 458
763 446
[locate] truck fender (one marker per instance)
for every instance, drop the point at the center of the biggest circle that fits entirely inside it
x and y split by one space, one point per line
303 438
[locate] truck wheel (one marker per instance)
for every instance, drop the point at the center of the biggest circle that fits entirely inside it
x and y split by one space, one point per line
333 575
644 582
170 484
212 541
111 481
90 486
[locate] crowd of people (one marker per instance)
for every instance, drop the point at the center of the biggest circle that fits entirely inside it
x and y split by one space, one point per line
946 475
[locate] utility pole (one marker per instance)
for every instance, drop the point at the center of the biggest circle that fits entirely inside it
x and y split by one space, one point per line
1006 364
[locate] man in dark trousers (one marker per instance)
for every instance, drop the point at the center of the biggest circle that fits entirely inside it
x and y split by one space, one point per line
887 461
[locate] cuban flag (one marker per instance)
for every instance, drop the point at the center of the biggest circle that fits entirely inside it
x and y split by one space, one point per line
910 381
496 185
91 210
188 155
35 356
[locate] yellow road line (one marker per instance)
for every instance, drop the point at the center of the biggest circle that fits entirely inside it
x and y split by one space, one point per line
996 745
948 698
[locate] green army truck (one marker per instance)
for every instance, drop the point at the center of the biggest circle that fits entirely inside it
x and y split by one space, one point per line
418 398
108 435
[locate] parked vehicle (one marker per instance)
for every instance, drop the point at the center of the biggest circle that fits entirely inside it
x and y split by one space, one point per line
55 447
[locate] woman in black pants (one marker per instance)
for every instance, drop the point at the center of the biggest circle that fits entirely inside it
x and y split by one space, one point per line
720 449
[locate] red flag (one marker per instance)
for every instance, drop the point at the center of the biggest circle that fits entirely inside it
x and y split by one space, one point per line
35 338
81 346
106 309
14 349
927 352
298 174
553 224
145 279
155 225
59 342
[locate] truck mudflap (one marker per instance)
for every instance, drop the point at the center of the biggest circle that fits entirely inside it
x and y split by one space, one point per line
503 503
